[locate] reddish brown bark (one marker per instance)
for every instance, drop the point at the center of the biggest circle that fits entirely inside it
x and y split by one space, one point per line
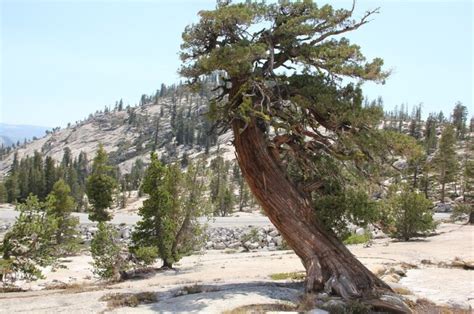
329 264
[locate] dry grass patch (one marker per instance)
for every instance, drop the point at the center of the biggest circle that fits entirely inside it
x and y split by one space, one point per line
297 276
75 287
193 289
116 300
262 308
10 288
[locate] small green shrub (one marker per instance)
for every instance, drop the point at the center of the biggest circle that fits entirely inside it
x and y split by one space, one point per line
461 209
31 243
251 235
408 214
106 253
146 255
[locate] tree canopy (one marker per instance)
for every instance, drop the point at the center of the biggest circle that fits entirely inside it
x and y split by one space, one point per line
284 65
287 67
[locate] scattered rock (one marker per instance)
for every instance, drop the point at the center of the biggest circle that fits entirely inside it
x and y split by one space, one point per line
390 278
278 241
335 306
360 231
399 289
443 208
460 305
378 269
219 246
467 264
274 233
234 245
398 270
253 246
400 164
395 302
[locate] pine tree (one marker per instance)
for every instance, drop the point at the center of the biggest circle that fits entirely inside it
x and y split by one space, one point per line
156 227
169 217
106 253
136 174
445 160
50 174
3 193
12 182
430 138
415 123
67 158
192 205
62 204
36 176
467 206
100 187
221 191
459 119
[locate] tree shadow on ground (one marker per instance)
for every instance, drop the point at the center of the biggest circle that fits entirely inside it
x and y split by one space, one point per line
218 297
148 272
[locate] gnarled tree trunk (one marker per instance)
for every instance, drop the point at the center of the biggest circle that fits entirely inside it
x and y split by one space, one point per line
329 264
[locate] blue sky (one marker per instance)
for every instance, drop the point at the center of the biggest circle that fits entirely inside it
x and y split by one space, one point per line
61 60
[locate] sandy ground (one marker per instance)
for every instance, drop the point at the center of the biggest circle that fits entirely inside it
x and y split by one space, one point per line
236 279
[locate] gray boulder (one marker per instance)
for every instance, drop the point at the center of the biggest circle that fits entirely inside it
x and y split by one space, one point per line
443 208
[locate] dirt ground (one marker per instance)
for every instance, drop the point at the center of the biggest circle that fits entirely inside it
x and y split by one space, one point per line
216 281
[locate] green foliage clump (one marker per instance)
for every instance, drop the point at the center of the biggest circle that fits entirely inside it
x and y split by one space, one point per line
100 187
35 175
461 209
106 253
345 206
31 242
409 214
146 255
358 239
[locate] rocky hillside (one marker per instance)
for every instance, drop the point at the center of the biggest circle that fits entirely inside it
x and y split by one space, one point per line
172 124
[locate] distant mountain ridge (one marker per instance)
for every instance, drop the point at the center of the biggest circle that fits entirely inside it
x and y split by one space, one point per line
12 133
5 141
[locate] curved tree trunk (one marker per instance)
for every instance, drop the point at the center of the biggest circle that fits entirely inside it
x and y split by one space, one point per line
329 264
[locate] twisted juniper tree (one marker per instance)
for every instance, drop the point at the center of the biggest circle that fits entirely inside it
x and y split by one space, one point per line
291 95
